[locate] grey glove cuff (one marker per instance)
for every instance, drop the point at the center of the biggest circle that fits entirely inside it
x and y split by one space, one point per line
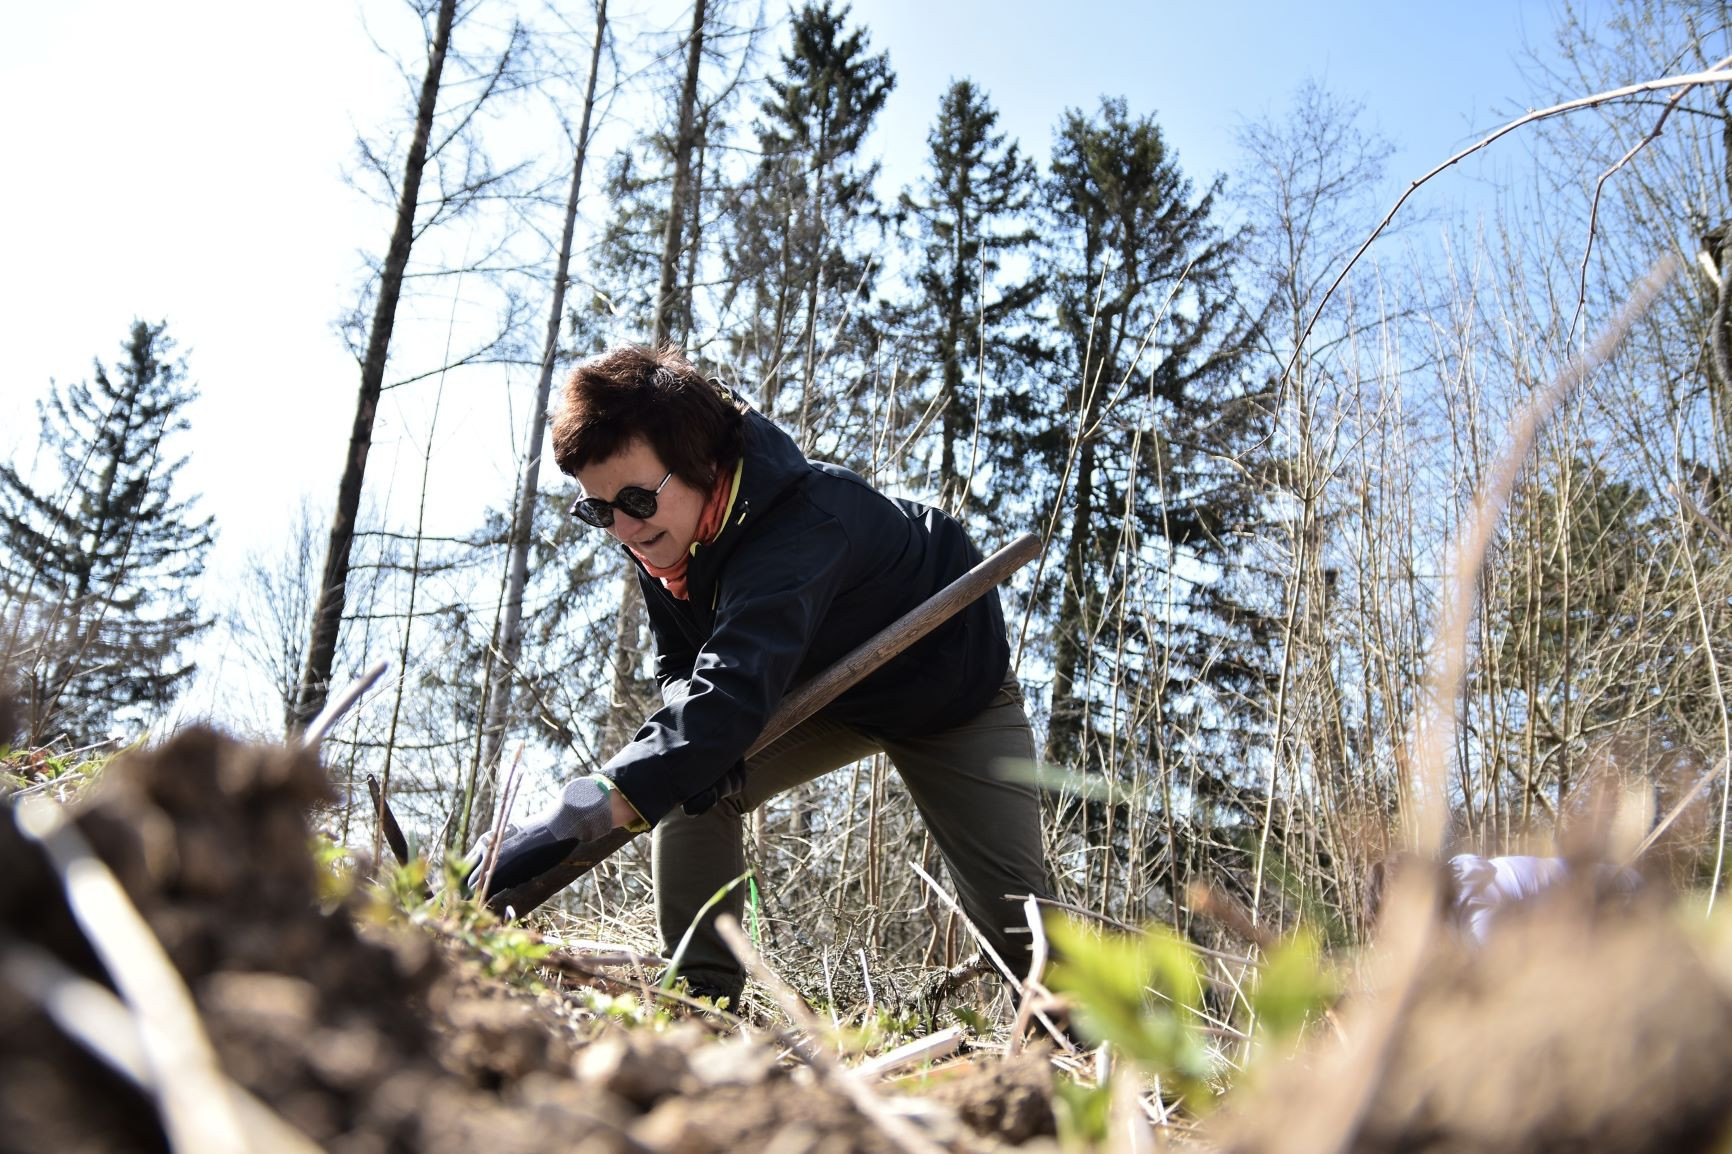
583 812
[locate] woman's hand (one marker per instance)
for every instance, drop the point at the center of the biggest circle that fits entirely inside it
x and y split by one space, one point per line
585 811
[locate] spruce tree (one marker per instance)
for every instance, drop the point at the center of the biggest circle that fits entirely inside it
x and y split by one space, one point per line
796 252
1148 449
967 323
97 567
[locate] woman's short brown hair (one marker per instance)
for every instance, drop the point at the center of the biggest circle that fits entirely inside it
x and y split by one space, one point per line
632 392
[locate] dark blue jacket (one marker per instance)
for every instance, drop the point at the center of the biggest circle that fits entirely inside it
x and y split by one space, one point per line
811 562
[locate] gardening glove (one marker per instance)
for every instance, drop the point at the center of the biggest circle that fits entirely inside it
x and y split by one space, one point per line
580 814
732 783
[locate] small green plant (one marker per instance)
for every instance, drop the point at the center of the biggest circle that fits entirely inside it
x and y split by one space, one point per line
880 1030
1295 982
69 773
1143 993
334 871
407 884
507 951
626 1008
1082 1113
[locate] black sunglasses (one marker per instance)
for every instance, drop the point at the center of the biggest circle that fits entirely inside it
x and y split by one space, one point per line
631 500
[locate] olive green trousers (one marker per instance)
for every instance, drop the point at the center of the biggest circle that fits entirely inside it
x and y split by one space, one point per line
982 814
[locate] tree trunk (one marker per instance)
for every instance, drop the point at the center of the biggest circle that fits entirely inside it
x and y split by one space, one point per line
523 516
952 488
685 143
625 692
328 609
1064 743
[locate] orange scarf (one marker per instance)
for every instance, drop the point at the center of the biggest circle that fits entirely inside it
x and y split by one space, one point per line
673 577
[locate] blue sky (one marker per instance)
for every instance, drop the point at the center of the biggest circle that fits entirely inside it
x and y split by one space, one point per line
1430 75
184 161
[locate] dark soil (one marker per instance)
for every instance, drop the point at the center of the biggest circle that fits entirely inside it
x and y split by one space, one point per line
376 1041
1578 1027
1011 1098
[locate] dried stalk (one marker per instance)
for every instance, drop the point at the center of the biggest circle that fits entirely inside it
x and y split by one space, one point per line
1695 511
501 822
1449 664
1016 983
898 1130
93 1017
1411 910
196 1112
1035 996
339 705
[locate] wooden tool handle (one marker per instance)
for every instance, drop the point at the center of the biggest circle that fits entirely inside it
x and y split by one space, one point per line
802 703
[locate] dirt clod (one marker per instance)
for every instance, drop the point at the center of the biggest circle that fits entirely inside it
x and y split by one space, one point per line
781 1114
1009 1100
1576 1027
640 1068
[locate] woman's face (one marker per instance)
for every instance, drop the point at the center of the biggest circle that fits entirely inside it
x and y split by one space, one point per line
663 538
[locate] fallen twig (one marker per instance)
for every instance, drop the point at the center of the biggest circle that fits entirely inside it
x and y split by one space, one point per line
607 953
1016 983
899 1131
928 1049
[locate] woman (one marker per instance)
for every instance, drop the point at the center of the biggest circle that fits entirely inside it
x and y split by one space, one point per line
760 569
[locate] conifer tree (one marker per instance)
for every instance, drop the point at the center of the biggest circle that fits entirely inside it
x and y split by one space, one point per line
1150 445
97 566
659 242
796 249
970 214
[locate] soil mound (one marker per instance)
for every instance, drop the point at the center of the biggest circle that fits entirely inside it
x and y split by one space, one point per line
364 1042
1576 1027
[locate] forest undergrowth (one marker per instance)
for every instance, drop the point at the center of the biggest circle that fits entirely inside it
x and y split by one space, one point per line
333 1011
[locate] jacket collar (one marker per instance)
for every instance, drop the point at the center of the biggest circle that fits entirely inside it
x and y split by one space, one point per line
772 466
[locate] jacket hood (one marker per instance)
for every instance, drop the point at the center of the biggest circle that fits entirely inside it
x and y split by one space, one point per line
774 466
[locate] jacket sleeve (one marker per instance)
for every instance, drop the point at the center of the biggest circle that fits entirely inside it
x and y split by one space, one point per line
774 593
